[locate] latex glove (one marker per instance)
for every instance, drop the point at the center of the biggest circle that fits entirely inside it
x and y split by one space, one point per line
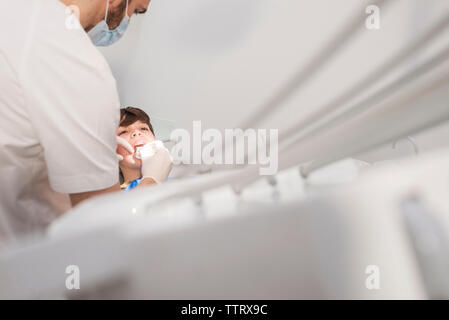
149 149
125 144
156 163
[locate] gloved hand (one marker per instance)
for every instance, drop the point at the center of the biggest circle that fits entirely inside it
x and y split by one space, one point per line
156 162
125 144
149 149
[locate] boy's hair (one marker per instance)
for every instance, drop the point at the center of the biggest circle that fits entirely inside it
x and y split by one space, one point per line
129 115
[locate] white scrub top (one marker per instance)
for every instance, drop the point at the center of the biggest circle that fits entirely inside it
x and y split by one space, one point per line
59 110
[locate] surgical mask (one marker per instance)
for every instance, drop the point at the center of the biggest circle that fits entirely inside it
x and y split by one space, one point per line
101 35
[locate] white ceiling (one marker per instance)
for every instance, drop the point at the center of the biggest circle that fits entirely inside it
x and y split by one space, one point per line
217 61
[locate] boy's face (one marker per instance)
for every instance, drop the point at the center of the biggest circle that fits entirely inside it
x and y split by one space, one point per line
137 134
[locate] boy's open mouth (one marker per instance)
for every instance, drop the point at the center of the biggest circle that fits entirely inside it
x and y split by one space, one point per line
138 145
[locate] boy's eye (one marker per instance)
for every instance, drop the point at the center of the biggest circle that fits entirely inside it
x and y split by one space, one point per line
144 128
122 132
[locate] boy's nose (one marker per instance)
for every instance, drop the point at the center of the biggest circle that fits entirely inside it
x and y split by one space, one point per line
135 133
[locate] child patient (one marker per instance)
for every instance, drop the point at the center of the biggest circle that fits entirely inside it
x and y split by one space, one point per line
150 162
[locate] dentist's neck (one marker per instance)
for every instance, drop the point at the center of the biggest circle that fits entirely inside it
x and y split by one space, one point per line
90 11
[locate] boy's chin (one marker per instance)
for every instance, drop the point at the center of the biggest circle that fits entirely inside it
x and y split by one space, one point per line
133 163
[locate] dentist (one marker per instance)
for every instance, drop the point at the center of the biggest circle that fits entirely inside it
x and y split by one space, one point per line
59 107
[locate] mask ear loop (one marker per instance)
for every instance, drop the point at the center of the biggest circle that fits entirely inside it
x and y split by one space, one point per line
107 9
126 12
